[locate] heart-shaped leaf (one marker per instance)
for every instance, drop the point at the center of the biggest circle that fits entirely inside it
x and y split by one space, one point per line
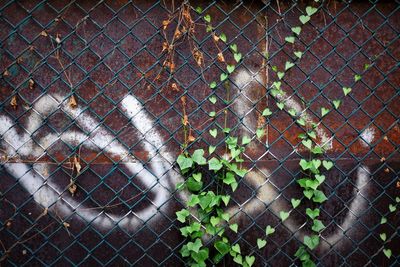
312 213
397 199
311 242
311 10
320 178
327 164
346 90
266 112
290 39
383 220
214 164
230 68
238 259
357 77
308 193
269 230
324 111
336 103
316 163
288 65
280 105
388 253
392 208
233 47
383 237
223 77
304 164
212 99
213 85
284 215
237 57
222 37
312 134
236 248
213 132
296 30
246 140
214 220
250 260
280 75
234 227
292 112
295 202
261 243
298 54
319 196
207 18
260 133
307 143
317 226
184 162
304 19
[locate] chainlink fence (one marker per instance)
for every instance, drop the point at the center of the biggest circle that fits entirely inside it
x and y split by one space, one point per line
91 128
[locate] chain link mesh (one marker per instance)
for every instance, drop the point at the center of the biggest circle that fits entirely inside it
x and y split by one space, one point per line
91 127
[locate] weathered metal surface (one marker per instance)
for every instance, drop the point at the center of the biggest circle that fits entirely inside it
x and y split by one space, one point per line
127 126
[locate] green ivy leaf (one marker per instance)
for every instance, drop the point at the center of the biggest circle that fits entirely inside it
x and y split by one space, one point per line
383 220
213 85
336 103
392 208
280 75
195 246
230 68
205 201
296 30
312 134
261 243
201 256
213 132
290 39
266 112
357 77
233 48
184 162
316 163
234 227
223 77
317 150
197 176
284 215
397 199
320 178
207 18
324 111
312 213
238 259
327 164
193 185
223 37
304 164
226 199
245 140
280 105
250 260
229 178
214 164
198 157
304 19
211 149
199 9
222 247
346 90
311 10
214 220
269 230
311 242
288 65
295 202
298 54
383 237
212 99
237 57
260 133
301 122
292 112
308 193
193 201
317 226
387 252
182 215
307 143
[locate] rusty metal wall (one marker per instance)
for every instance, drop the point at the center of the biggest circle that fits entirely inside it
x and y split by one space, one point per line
125 130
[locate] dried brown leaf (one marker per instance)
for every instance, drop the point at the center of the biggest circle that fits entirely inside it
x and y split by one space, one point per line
72 102
31 83
221 57
43 33
77 164
72 187
14 102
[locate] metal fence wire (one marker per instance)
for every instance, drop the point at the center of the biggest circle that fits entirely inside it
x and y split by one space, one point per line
90 126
